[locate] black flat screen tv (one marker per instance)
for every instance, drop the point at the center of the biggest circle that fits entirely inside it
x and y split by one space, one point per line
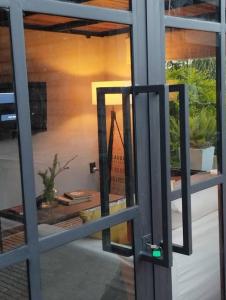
38 109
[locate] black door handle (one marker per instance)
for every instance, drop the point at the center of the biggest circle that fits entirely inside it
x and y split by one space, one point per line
186 248
165 259
166 247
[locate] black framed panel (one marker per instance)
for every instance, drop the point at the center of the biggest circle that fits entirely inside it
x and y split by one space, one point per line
31 251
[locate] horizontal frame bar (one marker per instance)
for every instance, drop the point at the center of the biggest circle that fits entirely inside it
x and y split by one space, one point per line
77 10
7 98
67 236
15 256
197 187
185 23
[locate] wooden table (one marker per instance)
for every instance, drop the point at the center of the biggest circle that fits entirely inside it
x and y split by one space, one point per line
60 212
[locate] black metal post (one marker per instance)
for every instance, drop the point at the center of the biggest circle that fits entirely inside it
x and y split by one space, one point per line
103 163
128 152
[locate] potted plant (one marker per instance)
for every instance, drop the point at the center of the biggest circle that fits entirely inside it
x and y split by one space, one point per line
202 140
48 179
200 77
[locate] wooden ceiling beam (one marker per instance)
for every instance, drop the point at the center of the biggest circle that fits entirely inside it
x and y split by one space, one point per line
61 27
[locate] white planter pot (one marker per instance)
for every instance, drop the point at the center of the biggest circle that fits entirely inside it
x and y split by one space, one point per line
202 159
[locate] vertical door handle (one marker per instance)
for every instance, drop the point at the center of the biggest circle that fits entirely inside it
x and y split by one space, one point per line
162 91
181 89
166 246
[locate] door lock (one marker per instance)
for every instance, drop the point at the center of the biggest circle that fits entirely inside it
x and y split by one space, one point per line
151 249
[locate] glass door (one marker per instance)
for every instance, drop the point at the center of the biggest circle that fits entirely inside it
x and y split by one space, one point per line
194 62
101 192
83 130
203 97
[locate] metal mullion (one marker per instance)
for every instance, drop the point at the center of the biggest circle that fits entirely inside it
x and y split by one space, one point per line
200 186
222 160
184 23
66 236
77 11
13 257
156 74
25 139
144 273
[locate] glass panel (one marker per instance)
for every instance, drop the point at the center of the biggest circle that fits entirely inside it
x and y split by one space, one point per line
83 270
65 67
205 10
191 59
116 4
14 282
11 229
197 276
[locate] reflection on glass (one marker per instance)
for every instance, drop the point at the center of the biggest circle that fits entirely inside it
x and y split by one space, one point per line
197 276
65 64
14 282
11 207
205 10
116 4
191 60
82 270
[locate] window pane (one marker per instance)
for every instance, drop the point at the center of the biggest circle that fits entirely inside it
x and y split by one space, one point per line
14 282
191 59
205 10
83 270
11 205
116 4
198 276
65 67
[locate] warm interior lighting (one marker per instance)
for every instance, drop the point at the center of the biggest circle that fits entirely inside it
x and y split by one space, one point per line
110 99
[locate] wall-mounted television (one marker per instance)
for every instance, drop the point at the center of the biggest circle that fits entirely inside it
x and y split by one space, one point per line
38 109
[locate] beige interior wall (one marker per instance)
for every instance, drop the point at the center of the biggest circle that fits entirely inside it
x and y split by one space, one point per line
68 64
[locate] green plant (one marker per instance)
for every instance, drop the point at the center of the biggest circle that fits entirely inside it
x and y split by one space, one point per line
49 175
174 141
203 130
201 88
200 77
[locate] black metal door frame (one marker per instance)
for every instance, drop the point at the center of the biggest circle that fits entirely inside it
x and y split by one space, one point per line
156 24
148 25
